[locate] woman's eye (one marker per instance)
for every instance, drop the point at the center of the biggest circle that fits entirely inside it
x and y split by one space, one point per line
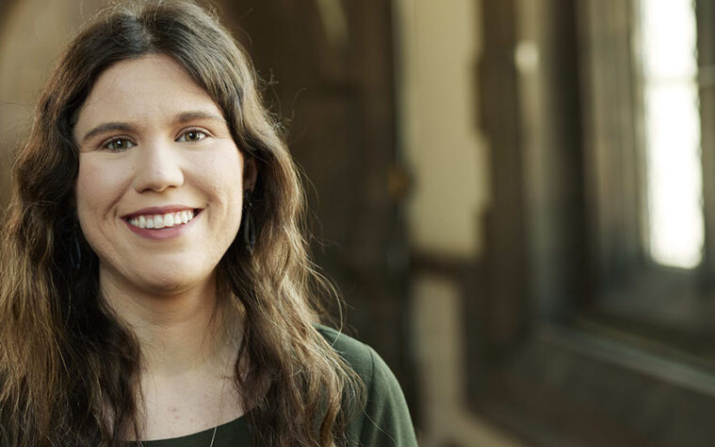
192 135
118 144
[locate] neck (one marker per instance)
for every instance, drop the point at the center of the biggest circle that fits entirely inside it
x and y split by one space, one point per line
180 332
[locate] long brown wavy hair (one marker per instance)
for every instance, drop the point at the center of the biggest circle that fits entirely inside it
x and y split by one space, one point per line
69 368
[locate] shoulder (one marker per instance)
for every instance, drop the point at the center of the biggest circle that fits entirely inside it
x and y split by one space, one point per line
385 419
367 363
355 353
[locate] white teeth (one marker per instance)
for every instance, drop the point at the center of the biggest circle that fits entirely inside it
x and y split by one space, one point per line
159 221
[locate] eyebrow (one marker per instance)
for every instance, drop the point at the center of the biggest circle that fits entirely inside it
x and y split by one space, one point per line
198 115
106 127
180 118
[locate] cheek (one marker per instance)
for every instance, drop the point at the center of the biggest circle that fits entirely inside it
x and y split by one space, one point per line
222 175
97 187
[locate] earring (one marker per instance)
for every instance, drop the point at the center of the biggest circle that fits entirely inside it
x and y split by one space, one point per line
247 226
75 253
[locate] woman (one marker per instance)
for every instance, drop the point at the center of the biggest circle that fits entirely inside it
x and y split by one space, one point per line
155 286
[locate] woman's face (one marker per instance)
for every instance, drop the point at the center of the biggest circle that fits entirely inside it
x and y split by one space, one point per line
160 183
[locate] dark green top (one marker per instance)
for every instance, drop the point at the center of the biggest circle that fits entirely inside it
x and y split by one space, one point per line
385 421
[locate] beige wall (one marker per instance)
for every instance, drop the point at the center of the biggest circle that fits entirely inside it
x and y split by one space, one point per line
439 45
444 149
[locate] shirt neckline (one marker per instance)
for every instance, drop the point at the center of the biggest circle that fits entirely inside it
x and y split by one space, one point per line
193 438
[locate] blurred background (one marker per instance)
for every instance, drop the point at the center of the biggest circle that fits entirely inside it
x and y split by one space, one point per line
515 198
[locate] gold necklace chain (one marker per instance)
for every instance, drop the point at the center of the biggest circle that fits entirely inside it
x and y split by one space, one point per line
213 437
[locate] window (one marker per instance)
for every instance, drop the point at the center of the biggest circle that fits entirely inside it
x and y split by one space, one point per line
649 196
595 325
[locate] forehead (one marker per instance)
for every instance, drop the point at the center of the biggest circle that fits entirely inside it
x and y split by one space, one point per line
143 90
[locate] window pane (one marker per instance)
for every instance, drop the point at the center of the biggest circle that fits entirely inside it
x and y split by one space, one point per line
669 38
672 125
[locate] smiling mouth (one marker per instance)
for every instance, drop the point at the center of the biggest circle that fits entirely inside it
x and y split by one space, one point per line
161 221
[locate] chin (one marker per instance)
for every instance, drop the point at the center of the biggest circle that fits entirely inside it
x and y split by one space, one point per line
157 275
169 279
177 281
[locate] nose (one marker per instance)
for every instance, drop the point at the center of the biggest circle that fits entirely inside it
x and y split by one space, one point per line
158 167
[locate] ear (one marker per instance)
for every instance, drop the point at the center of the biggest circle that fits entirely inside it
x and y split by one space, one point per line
250 173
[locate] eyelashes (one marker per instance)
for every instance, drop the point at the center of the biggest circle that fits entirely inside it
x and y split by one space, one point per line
192 136
122 143
118 144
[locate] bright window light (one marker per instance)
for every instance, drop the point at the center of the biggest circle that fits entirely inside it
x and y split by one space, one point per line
672 127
